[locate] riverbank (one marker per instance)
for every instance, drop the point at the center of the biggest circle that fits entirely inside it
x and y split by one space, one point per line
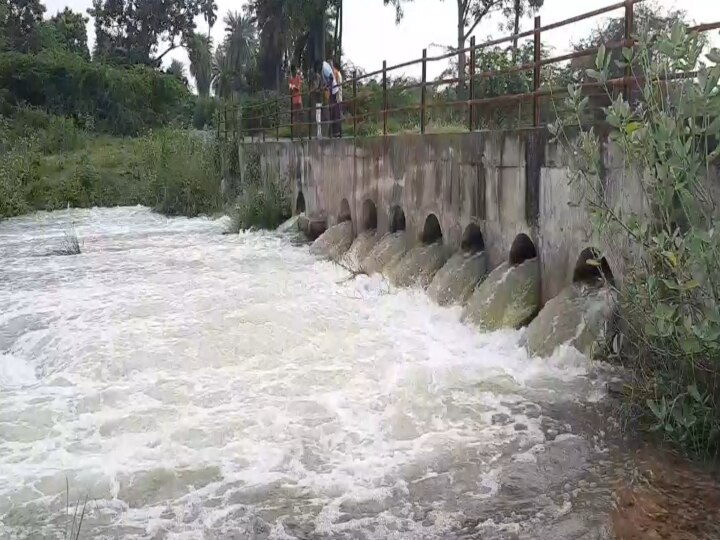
172 171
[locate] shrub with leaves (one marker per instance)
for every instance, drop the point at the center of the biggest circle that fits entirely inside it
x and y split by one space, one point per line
19 169
260 207
182 173
670 298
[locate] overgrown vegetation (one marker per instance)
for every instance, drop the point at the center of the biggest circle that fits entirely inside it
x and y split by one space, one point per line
667 130
172 171
261 207
102 97
263 201
182 173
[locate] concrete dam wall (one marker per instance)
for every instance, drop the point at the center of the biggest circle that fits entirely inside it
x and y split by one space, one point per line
497 188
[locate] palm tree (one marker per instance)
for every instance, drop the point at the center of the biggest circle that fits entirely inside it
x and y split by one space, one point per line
209 9
221 75
201 62
240 40
234 56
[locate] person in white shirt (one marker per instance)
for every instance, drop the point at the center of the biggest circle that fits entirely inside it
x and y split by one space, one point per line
339 100
330 75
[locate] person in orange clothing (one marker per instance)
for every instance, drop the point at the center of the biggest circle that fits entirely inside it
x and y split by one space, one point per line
295 83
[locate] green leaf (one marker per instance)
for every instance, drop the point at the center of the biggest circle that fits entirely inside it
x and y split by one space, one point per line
600 58
695 394
678 416
657 409
627 54
633 127
691 285
671 257
594 74
677 34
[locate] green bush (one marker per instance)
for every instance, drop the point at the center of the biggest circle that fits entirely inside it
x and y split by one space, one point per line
182 173
19 169
14 171
670 298
120 100
261 207
204 113
53 133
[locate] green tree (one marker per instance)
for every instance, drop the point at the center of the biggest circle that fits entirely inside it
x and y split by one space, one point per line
131 31
292 32
398 5
209 12
648 18
19 20
177 70
71 31
514 11
234 56
4 12
201 62
470 13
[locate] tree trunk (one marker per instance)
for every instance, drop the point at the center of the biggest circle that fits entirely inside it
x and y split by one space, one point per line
460 47
336 31
340 36
516 29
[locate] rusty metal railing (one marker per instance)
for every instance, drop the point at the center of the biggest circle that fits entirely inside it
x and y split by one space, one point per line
267 116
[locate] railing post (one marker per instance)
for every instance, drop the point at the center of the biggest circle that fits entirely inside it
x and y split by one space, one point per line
423 91
292 118
385 97
354 107
536 73
629 23
277 117
471 94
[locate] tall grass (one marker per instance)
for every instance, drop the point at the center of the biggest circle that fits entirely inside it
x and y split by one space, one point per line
59 165
260 207
182 173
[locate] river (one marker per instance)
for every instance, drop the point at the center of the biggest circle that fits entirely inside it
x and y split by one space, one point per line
199 385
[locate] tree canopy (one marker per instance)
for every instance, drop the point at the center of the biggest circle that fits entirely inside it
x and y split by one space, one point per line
201 62
70 31
144 31
19 20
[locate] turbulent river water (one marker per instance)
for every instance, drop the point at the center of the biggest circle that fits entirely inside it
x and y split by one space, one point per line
199 385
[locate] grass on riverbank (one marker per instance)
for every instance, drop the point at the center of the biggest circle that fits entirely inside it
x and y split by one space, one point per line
172 171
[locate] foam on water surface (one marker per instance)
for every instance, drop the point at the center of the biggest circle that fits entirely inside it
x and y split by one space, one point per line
199 385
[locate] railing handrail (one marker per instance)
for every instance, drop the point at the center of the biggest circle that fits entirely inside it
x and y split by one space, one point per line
297 115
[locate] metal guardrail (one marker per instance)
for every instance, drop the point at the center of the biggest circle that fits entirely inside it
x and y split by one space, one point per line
468 81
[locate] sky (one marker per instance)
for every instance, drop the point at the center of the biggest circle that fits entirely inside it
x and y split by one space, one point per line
370 34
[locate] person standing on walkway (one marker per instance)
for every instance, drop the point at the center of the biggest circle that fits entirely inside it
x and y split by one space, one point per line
330 83
295 83
339 100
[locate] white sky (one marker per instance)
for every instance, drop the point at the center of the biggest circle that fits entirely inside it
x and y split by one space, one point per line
371 36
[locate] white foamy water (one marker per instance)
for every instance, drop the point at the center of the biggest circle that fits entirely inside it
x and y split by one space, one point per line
195 385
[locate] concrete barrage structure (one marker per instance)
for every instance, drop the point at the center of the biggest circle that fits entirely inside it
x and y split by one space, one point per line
509 192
